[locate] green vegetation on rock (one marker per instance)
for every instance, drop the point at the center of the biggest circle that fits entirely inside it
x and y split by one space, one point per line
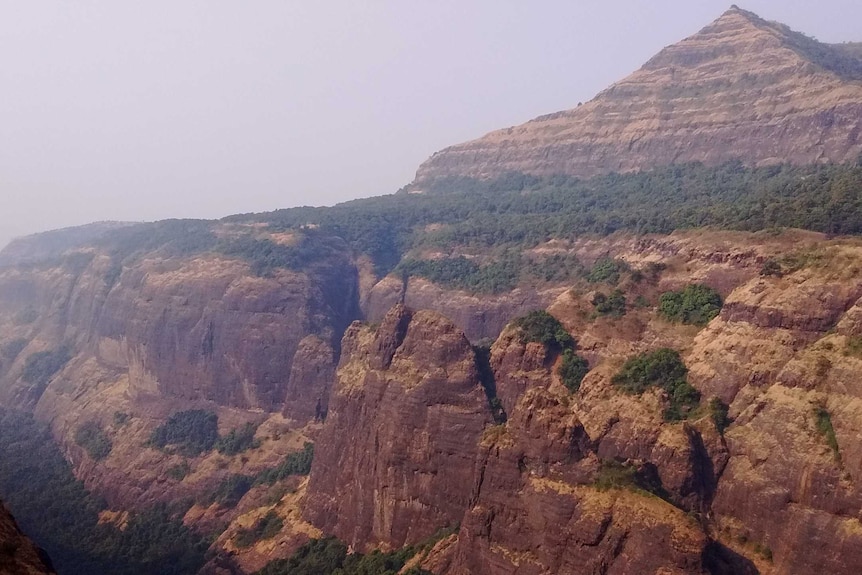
662 368
230 490
612 305
238 440
718 411
266 527
331 556
179 471
94 440
10 350
541 327
696 304
233 487
58 513
572 370
823 421
41 366
461 273
297 463
607 270
266 256
193 432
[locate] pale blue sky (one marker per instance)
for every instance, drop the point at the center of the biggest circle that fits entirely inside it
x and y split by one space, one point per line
128 110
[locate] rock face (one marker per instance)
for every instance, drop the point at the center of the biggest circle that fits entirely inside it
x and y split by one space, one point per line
159 333
200 329
396 459
742 88
480 316
597 481
18 555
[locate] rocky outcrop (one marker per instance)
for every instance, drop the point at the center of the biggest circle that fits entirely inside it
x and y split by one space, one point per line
197 329
545 503
742 88
396 459
18 555
481 316
129 341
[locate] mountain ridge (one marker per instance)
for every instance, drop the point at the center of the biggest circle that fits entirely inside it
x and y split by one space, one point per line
740 88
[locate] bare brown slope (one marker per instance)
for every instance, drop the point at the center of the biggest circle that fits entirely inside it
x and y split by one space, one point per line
741 88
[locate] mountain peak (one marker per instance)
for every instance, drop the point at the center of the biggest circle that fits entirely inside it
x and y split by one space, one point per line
742 88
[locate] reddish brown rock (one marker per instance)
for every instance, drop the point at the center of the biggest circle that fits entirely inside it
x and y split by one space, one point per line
740 89
18 555
396 459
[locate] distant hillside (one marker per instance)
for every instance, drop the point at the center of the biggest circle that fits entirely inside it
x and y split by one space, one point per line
742 89
38 247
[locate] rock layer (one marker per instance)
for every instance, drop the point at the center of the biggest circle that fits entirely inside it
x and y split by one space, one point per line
396 458
742 88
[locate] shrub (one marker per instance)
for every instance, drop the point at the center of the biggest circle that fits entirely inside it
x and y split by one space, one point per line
230 490
238 440
93 439
266 527
613 305
853 346
541 327
641 302
771 267
26 316
607 270
662 368
179 471
298 463
41 366
615 475
121 418
572 370
696 304
331 556
194 431
266 256
461 273
718 413
824 426
11 349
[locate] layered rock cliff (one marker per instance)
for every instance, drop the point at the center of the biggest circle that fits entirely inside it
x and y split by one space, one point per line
598 480
741 88
107 336
397 454
90 338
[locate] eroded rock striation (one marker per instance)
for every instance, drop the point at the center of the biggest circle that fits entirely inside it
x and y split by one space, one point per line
397 456
740 89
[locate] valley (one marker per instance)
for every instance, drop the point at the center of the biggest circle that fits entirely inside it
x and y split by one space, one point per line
620 339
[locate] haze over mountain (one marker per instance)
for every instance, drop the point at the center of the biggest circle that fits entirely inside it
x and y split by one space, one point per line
521 370
139 112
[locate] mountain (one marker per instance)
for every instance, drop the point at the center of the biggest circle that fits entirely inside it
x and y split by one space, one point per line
741 88
535 374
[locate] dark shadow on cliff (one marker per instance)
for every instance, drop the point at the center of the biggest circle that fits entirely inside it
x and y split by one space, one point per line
489 384
721 560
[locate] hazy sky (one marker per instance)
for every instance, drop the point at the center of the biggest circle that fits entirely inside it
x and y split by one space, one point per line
122 110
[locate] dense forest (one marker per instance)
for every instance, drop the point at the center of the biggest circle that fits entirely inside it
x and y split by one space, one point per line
502 217
54 509
518 211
